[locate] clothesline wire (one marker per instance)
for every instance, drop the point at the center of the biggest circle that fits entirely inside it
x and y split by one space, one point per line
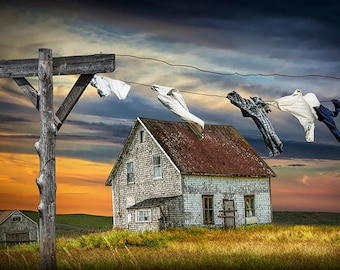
229 74
196 93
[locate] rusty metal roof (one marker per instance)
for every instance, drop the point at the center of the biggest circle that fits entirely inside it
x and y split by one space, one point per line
222 151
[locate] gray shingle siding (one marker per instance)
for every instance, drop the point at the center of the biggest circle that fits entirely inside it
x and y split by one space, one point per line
18 228
145 186
175 199
194 187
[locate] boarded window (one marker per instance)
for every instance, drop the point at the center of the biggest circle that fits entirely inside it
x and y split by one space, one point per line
143 215
157 167
249 204
208 209
130 174
141 136
16 218
17 237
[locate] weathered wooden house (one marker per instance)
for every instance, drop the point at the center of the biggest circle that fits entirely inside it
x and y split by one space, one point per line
16 227
166 177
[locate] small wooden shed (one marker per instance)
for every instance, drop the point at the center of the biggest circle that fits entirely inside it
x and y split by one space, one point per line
16 227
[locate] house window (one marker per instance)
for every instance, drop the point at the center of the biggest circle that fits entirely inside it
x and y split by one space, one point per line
208 209
157 168
141 136
130 174
249 204
16 218
143 215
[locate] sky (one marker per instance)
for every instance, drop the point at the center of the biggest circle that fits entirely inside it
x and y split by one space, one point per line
205 49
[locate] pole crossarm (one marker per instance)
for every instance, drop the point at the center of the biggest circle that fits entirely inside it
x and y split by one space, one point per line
70 65
28 90
73 97
45 67
69 102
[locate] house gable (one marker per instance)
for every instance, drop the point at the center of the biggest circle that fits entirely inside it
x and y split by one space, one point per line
222 151
127 145
16 227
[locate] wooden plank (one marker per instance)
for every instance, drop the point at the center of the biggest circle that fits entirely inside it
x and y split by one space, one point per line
32 95
28 90
73 97
71 65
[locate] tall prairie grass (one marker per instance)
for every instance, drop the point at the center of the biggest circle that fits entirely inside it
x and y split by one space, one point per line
256 247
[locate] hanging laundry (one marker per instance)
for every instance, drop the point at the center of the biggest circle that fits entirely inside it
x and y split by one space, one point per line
299 106
257 109
173 100
325 115
107 86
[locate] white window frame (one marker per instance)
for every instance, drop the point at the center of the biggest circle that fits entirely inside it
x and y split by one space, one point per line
143 215
249 206
130 176
157 167
208 209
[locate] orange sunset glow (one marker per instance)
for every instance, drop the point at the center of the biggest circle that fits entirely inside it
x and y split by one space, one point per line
80 185
81 189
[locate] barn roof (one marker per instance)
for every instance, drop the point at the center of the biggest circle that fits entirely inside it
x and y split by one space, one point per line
223 151
4 214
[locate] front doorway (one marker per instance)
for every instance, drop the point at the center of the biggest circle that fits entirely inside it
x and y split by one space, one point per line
228 213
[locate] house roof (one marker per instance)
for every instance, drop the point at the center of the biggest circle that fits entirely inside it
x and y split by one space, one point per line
152 202
223 151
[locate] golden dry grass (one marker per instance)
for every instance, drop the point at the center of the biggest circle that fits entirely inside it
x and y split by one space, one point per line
257 247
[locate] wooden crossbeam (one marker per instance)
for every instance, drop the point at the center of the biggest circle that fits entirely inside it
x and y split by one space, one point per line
73 97
32 95
71 65
28 90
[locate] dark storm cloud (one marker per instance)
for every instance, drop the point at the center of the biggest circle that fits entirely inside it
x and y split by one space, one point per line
131 108
230 23
98 153
298 150
271 19
11 119
92 132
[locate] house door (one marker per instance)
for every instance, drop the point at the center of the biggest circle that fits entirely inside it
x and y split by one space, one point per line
229 213
17 237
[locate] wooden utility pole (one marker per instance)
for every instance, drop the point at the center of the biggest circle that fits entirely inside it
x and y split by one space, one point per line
45 67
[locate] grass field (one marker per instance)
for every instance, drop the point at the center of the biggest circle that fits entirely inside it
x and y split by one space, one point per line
281 245
76 224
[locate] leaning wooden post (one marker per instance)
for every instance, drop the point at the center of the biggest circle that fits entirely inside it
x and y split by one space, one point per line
46 149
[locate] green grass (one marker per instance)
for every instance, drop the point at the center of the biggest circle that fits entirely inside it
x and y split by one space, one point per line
306 218
76 224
